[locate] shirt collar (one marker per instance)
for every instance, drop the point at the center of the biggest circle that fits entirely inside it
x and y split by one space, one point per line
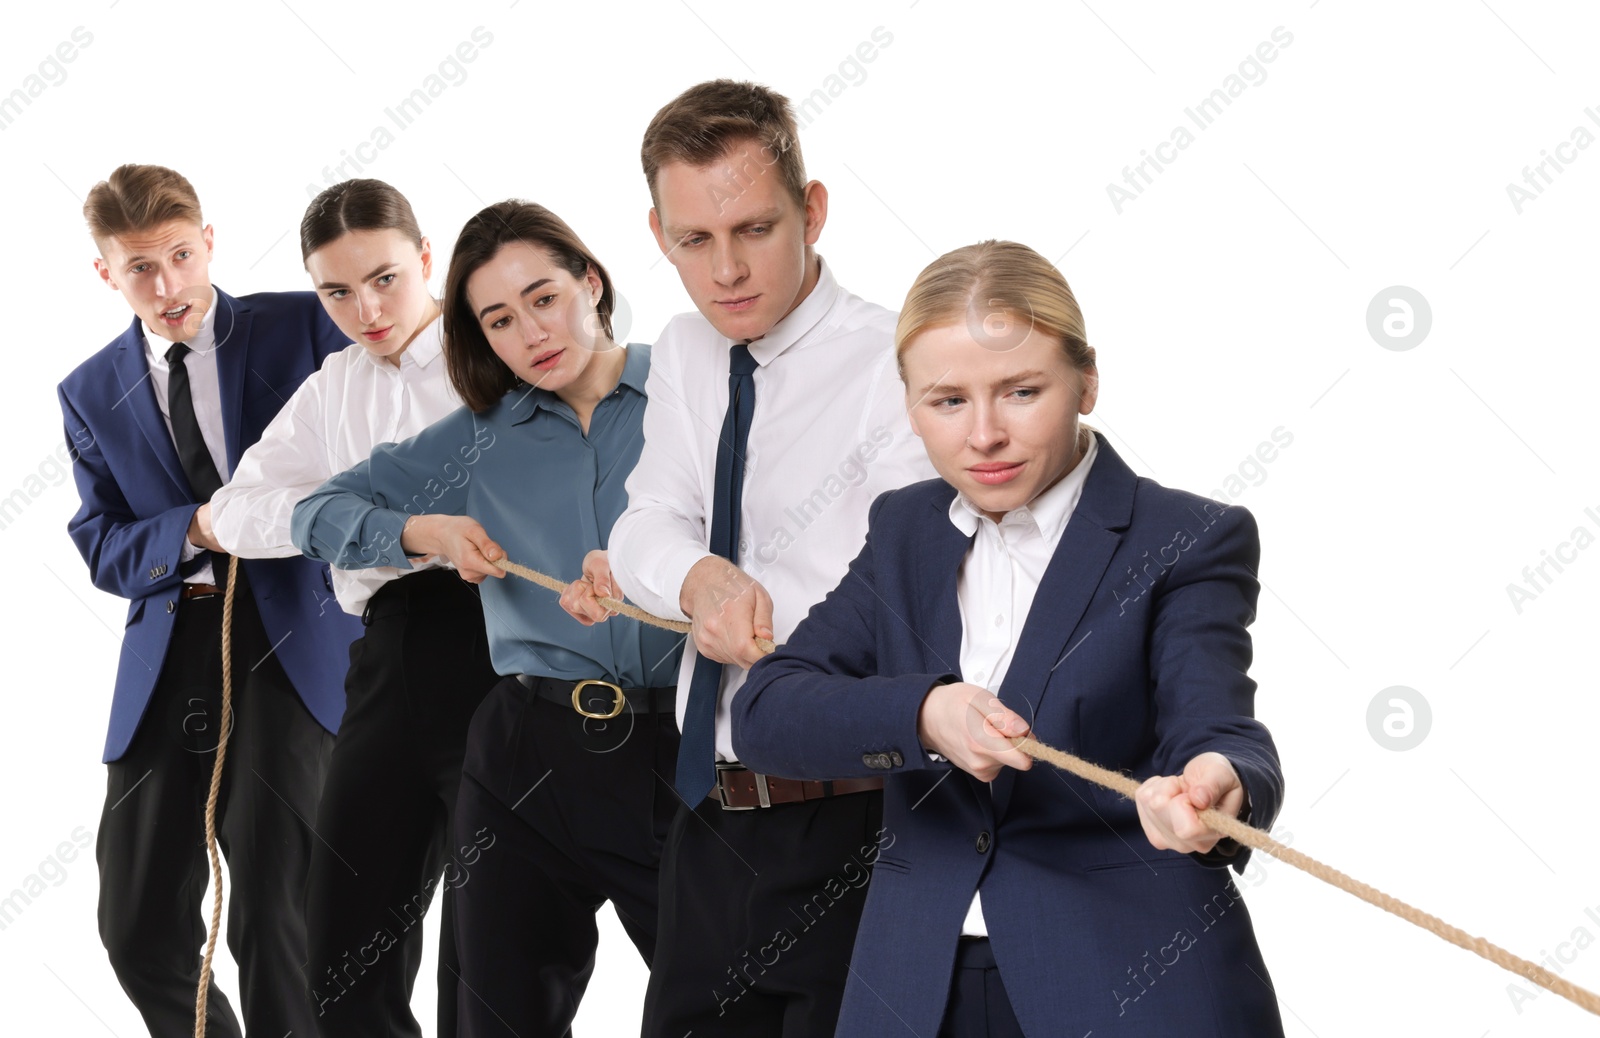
424 349
635 369
204 341
801 320
1048 512
525 399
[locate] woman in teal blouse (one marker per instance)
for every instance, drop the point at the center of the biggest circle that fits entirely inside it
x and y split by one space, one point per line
559 809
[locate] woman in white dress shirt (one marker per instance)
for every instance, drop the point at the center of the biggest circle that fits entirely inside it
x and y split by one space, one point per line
422 666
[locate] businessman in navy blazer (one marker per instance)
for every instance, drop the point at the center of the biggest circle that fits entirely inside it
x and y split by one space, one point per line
1005 899
147 422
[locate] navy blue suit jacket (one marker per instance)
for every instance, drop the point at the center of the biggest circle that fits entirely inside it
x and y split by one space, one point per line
136 502
1134 656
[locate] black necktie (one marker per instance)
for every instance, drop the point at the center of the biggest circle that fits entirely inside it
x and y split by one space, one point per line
697 749
193 453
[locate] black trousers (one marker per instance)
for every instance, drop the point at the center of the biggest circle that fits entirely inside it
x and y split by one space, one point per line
758 917
416 676
151 845
979 1006
558 814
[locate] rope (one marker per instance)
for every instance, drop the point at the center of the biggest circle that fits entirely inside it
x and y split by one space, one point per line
632 612
1218 822
211 799
1256 838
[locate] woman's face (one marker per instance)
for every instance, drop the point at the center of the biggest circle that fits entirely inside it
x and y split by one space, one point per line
539 320
374 284
1000 425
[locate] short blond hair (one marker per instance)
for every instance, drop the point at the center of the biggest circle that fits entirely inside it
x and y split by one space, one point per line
995 279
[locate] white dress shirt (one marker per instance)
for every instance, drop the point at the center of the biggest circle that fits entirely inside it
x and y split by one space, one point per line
354 402
206 393
997 582
829 435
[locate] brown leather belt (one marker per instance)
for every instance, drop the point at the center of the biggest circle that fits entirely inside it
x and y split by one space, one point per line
199 590
740 789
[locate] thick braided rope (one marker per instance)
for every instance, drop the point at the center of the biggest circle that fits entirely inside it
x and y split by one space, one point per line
1217 821
211 799
1259 840
633 612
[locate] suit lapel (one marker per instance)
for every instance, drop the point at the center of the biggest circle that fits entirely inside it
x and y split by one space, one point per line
1075 571
938 621
232 330
936 618
136 392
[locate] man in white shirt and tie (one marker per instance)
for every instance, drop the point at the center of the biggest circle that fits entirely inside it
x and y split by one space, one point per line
741 516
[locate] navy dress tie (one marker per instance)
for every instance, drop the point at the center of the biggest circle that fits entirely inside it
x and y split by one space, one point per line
697 750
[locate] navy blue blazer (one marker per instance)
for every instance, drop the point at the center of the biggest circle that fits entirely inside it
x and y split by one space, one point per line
1134 656
136 502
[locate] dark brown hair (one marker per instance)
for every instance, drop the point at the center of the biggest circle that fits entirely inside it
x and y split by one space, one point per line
701 124
356 205
480 377
136 198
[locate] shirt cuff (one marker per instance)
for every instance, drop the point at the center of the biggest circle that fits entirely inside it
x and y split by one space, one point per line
381 538
671 569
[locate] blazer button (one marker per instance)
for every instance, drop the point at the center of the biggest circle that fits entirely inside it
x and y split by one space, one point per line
983 843
171 605
895 760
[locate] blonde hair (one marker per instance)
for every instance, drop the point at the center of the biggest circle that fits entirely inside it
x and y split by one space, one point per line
1002 290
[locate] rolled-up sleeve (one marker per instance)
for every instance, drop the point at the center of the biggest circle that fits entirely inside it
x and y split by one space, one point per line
354 520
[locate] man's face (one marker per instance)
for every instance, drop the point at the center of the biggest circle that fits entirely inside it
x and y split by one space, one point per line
738 238
164 272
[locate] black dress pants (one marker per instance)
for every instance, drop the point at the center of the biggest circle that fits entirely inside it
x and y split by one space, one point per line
416 676
759 911
979 1006
151 845
558 814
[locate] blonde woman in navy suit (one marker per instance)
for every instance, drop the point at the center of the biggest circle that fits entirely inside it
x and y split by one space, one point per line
1039 586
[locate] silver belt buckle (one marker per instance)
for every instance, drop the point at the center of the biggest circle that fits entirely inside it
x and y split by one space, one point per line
763 794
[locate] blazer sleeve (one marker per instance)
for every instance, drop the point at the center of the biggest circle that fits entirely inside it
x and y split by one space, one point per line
1199 655
127 556
818 707
354 520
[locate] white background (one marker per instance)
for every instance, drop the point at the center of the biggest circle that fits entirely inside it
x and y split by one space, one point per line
1226 300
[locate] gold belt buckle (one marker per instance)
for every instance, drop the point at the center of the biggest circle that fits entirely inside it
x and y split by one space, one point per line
619 700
